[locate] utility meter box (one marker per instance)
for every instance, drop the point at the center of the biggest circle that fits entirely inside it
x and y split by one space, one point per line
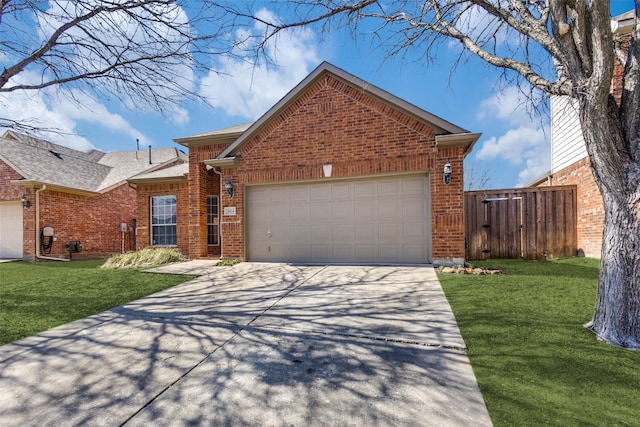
123 227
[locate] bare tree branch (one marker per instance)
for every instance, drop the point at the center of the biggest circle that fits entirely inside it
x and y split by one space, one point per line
561 47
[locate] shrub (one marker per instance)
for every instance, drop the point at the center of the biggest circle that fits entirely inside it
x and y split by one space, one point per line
148 257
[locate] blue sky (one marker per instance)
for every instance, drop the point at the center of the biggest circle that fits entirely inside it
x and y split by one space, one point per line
514 148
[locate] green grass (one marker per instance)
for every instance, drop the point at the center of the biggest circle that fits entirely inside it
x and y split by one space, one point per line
534 361
40 296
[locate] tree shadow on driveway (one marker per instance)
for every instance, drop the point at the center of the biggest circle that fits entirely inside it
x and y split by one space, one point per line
254 345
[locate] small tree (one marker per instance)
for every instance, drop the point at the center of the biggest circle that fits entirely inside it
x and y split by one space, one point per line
476 177
558 47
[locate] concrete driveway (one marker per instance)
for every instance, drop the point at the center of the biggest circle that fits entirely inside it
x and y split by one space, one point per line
254 345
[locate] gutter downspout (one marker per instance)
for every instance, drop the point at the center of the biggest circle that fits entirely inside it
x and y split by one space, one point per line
215 170
38 256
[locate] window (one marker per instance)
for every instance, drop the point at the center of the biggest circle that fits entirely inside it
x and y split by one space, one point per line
213 229
163 221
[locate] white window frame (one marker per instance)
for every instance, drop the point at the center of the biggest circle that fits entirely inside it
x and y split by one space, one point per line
211 221
172 226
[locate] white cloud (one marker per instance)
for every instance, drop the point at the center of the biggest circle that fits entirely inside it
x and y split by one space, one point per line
244 89
525 144
509 105
129 40
60 111
515 145
58 116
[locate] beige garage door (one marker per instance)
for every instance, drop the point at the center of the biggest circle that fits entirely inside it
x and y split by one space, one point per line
381 220
10 230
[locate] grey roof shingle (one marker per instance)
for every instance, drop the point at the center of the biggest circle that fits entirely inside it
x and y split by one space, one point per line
177 171
125 164
95 171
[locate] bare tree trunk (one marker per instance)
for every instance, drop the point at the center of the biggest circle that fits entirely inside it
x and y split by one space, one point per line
613 161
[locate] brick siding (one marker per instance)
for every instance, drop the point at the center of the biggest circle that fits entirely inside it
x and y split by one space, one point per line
143 214
331 122
94 220
191 222
590 207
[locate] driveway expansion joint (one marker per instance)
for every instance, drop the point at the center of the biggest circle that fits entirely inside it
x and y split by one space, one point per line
209 354
358 336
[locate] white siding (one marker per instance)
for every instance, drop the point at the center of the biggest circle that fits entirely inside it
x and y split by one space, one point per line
567 145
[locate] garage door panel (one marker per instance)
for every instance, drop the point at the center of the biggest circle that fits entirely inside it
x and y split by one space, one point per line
342 191
320 232
300 233
364 189
389 210
279 251
414 253
413 232
366 253
343 233
320 192
343 251
413 187
299 194
260 195
279 232
278 195
366 233
390 252
11 239
364 220
413 208
300 214
320 212
300 253
389 187
320 252
342 210
389 232
277 213
365 209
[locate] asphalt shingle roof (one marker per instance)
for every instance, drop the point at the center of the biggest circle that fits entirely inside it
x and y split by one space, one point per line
177 171
42 161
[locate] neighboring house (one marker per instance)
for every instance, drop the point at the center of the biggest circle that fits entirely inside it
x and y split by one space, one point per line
337 171
569 161
80 196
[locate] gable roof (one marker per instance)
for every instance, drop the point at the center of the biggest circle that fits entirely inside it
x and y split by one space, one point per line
219 136
177 173
42 162
440 126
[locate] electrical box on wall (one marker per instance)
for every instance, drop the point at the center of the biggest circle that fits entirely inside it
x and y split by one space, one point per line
123 227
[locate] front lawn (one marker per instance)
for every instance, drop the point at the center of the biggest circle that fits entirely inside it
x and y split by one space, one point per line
535 362
40 296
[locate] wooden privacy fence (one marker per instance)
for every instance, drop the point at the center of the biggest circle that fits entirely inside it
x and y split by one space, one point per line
529 223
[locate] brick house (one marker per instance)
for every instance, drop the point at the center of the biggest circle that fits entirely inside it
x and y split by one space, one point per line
78 196
337 171
570 163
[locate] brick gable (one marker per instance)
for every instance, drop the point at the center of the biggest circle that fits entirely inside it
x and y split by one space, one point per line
331 122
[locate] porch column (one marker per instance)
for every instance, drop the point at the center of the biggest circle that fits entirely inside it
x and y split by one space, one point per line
197 209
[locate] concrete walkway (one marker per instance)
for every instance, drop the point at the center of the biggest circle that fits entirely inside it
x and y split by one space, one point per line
254 345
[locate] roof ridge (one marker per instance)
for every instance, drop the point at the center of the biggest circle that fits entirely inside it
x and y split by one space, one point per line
43 144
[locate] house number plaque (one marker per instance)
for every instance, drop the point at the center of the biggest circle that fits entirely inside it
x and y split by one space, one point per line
230 211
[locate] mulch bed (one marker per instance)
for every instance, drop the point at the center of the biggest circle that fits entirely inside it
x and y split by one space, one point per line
469 270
